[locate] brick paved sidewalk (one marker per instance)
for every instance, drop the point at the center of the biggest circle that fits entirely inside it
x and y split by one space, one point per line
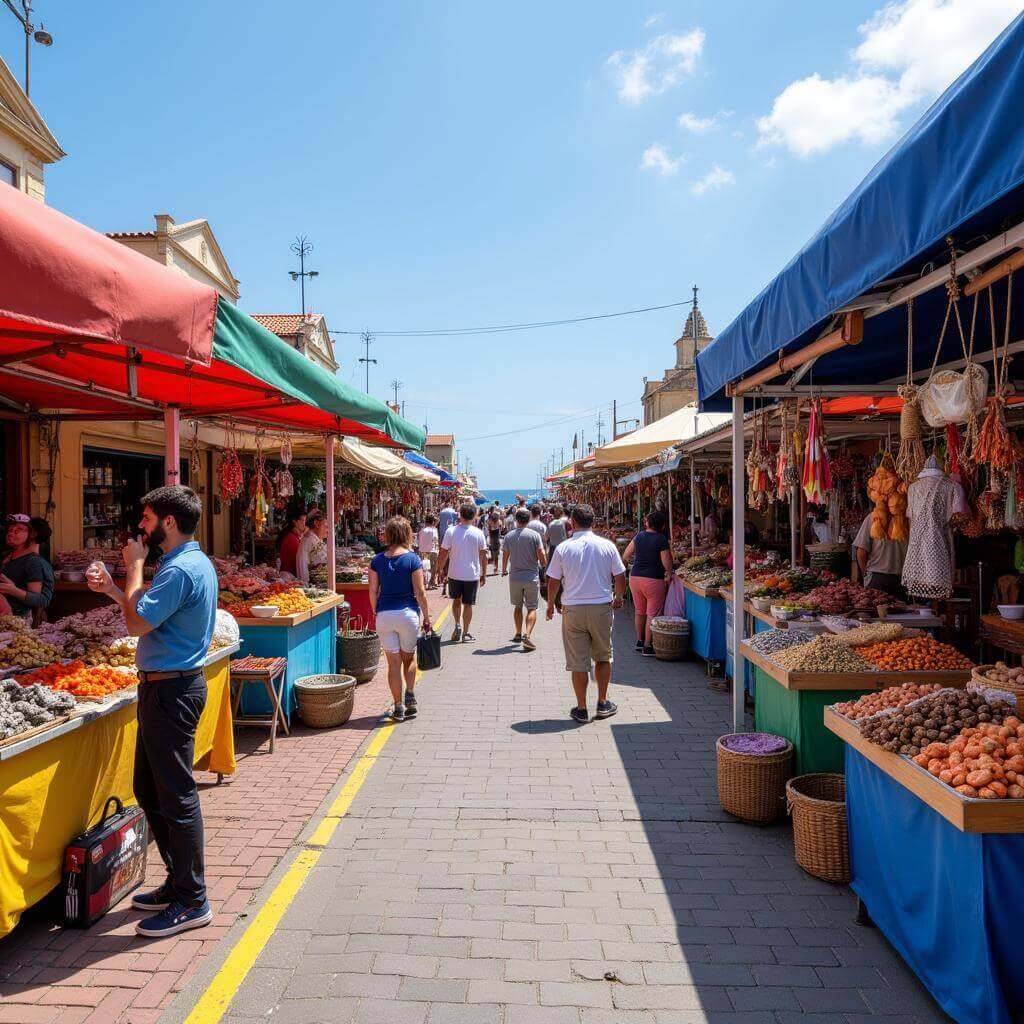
500 863
107 974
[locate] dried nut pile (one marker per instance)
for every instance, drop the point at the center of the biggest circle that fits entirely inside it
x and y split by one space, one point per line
26 651
937 718
891 697
774 640
12 624
822 654
1000 672
871 633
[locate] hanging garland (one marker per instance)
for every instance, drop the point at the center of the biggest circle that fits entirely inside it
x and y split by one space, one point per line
283 479
229 478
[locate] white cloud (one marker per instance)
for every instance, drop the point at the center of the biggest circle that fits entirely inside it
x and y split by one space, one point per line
910 51
657 158
652 19
660 65
717 177
698 125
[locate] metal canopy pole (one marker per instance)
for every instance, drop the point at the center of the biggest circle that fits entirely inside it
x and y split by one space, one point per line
794 515
693 513
670 508
172 452
332 565
738 565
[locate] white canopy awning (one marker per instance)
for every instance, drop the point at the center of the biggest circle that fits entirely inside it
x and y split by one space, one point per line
648 441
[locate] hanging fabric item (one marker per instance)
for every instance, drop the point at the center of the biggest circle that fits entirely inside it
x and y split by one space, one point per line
928 569
817 477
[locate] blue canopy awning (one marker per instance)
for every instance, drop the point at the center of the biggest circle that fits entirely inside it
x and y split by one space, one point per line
959 171
424 463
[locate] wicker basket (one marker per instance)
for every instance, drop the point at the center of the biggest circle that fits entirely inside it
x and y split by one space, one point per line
358 652
325 700
978 679
752 787
818 805
669 646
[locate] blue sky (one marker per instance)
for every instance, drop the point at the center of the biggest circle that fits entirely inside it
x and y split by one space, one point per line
460 164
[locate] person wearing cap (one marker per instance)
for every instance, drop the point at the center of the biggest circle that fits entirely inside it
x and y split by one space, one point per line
26 578
174 620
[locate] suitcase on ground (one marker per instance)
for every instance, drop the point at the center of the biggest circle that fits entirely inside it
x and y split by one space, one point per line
104 864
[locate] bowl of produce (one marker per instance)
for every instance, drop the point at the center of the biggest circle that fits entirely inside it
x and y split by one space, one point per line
263 611
784 611
882 610
762 604
1011 611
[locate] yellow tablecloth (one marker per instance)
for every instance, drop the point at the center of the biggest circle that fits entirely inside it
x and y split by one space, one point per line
55 791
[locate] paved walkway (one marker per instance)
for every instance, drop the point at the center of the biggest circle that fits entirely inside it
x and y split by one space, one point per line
502 865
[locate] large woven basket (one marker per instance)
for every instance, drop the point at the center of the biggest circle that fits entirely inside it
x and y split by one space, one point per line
817 803
670 646
325 700
978 679
752 787
358 653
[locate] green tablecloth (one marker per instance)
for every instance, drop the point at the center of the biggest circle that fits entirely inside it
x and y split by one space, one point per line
798 715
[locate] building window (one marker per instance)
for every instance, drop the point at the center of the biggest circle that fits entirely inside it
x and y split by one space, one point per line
8 174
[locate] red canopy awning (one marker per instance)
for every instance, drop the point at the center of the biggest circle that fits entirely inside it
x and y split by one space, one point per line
69 280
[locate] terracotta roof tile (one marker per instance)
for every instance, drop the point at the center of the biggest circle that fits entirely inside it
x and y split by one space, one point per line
131 234
287 324
440 439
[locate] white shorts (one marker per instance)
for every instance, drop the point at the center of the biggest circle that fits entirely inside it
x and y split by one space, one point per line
398 630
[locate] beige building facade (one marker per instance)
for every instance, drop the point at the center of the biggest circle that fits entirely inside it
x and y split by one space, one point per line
678 386
307 333
440 449
26 144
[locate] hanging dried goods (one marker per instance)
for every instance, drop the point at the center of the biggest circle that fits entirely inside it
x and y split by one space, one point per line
817 477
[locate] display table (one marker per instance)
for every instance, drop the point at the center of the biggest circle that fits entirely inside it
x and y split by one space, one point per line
1006 634
791 704
705 611
941 876
53 785
306 639
358 597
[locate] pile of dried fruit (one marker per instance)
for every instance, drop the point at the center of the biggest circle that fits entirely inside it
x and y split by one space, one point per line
986 761
81 680
26 708
25 650
843 595
12 624
823 654
884 700
936 718
916 654
1000 672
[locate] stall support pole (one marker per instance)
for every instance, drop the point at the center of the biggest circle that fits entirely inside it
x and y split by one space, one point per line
670 509
332 564
172 452
738 565
693 514
794 527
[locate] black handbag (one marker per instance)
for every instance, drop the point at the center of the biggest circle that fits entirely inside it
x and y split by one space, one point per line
428 651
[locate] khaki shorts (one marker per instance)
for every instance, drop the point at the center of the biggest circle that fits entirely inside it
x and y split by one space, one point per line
586 635
524 593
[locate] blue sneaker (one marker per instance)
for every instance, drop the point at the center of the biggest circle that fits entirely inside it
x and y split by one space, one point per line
176 918
155 899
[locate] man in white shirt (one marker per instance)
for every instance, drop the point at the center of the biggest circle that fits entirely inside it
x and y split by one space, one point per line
427 544
313 545
464 554
585 569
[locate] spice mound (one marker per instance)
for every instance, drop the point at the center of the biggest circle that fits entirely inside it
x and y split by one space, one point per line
918 654
872 633
891 697
754 743
822 654
774 640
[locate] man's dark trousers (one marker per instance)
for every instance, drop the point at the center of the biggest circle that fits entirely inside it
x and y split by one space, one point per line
168 713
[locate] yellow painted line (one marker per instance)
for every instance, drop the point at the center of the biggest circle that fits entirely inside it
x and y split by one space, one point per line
214 1002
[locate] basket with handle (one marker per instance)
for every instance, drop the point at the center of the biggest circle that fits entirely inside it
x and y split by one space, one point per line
325 700
752 787
358 650
817 803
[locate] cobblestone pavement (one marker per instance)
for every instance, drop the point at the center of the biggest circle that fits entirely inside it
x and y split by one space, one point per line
502 865
108 974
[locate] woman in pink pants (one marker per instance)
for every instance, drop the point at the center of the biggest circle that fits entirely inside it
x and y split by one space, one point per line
650 554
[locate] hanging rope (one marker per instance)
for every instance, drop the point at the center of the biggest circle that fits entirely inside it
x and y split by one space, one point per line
911 456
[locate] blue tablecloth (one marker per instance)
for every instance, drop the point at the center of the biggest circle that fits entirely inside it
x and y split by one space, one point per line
707 625
948 901
309 647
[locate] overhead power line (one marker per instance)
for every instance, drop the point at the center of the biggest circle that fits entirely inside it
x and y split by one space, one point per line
501 328
540 426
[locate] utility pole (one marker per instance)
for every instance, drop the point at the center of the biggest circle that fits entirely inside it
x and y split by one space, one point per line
367 341
599 425
395 385
302 247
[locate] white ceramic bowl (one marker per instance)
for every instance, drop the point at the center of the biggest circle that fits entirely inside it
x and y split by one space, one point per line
783 614
1011 611
264 611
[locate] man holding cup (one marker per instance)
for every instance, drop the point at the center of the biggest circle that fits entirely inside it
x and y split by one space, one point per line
174 620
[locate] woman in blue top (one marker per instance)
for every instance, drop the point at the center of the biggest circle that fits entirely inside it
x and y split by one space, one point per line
651 555
399 599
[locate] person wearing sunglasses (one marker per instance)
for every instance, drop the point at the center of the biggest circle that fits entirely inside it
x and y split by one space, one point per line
26 578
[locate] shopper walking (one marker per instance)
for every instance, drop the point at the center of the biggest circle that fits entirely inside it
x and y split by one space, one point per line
399 600
650 555
494 522
522 560
591 577
464 557
428 544
446 519
174 622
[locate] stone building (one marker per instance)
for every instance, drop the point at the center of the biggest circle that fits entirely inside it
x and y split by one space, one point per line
678 386
26 144
308 334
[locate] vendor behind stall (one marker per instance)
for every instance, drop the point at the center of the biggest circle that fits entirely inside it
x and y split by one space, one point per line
880 561
312 549
288 539
26 578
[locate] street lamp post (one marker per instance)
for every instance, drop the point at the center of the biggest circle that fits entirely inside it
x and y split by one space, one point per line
302 247
22 10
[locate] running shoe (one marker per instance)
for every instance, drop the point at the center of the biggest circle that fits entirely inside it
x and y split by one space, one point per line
456 634
468 638
155 899
579 715
398 713
528 644
639 646
518 638
605 709
648 652
410 705
176 918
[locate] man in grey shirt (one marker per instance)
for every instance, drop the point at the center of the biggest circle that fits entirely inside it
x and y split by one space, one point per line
880 561
522 560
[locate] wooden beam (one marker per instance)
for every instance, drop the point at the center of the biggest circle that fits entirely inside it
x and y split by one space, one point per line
1002 269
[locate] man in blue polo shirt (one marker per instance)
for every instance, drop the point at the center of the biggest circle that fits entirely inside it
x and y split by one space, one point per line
174 620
